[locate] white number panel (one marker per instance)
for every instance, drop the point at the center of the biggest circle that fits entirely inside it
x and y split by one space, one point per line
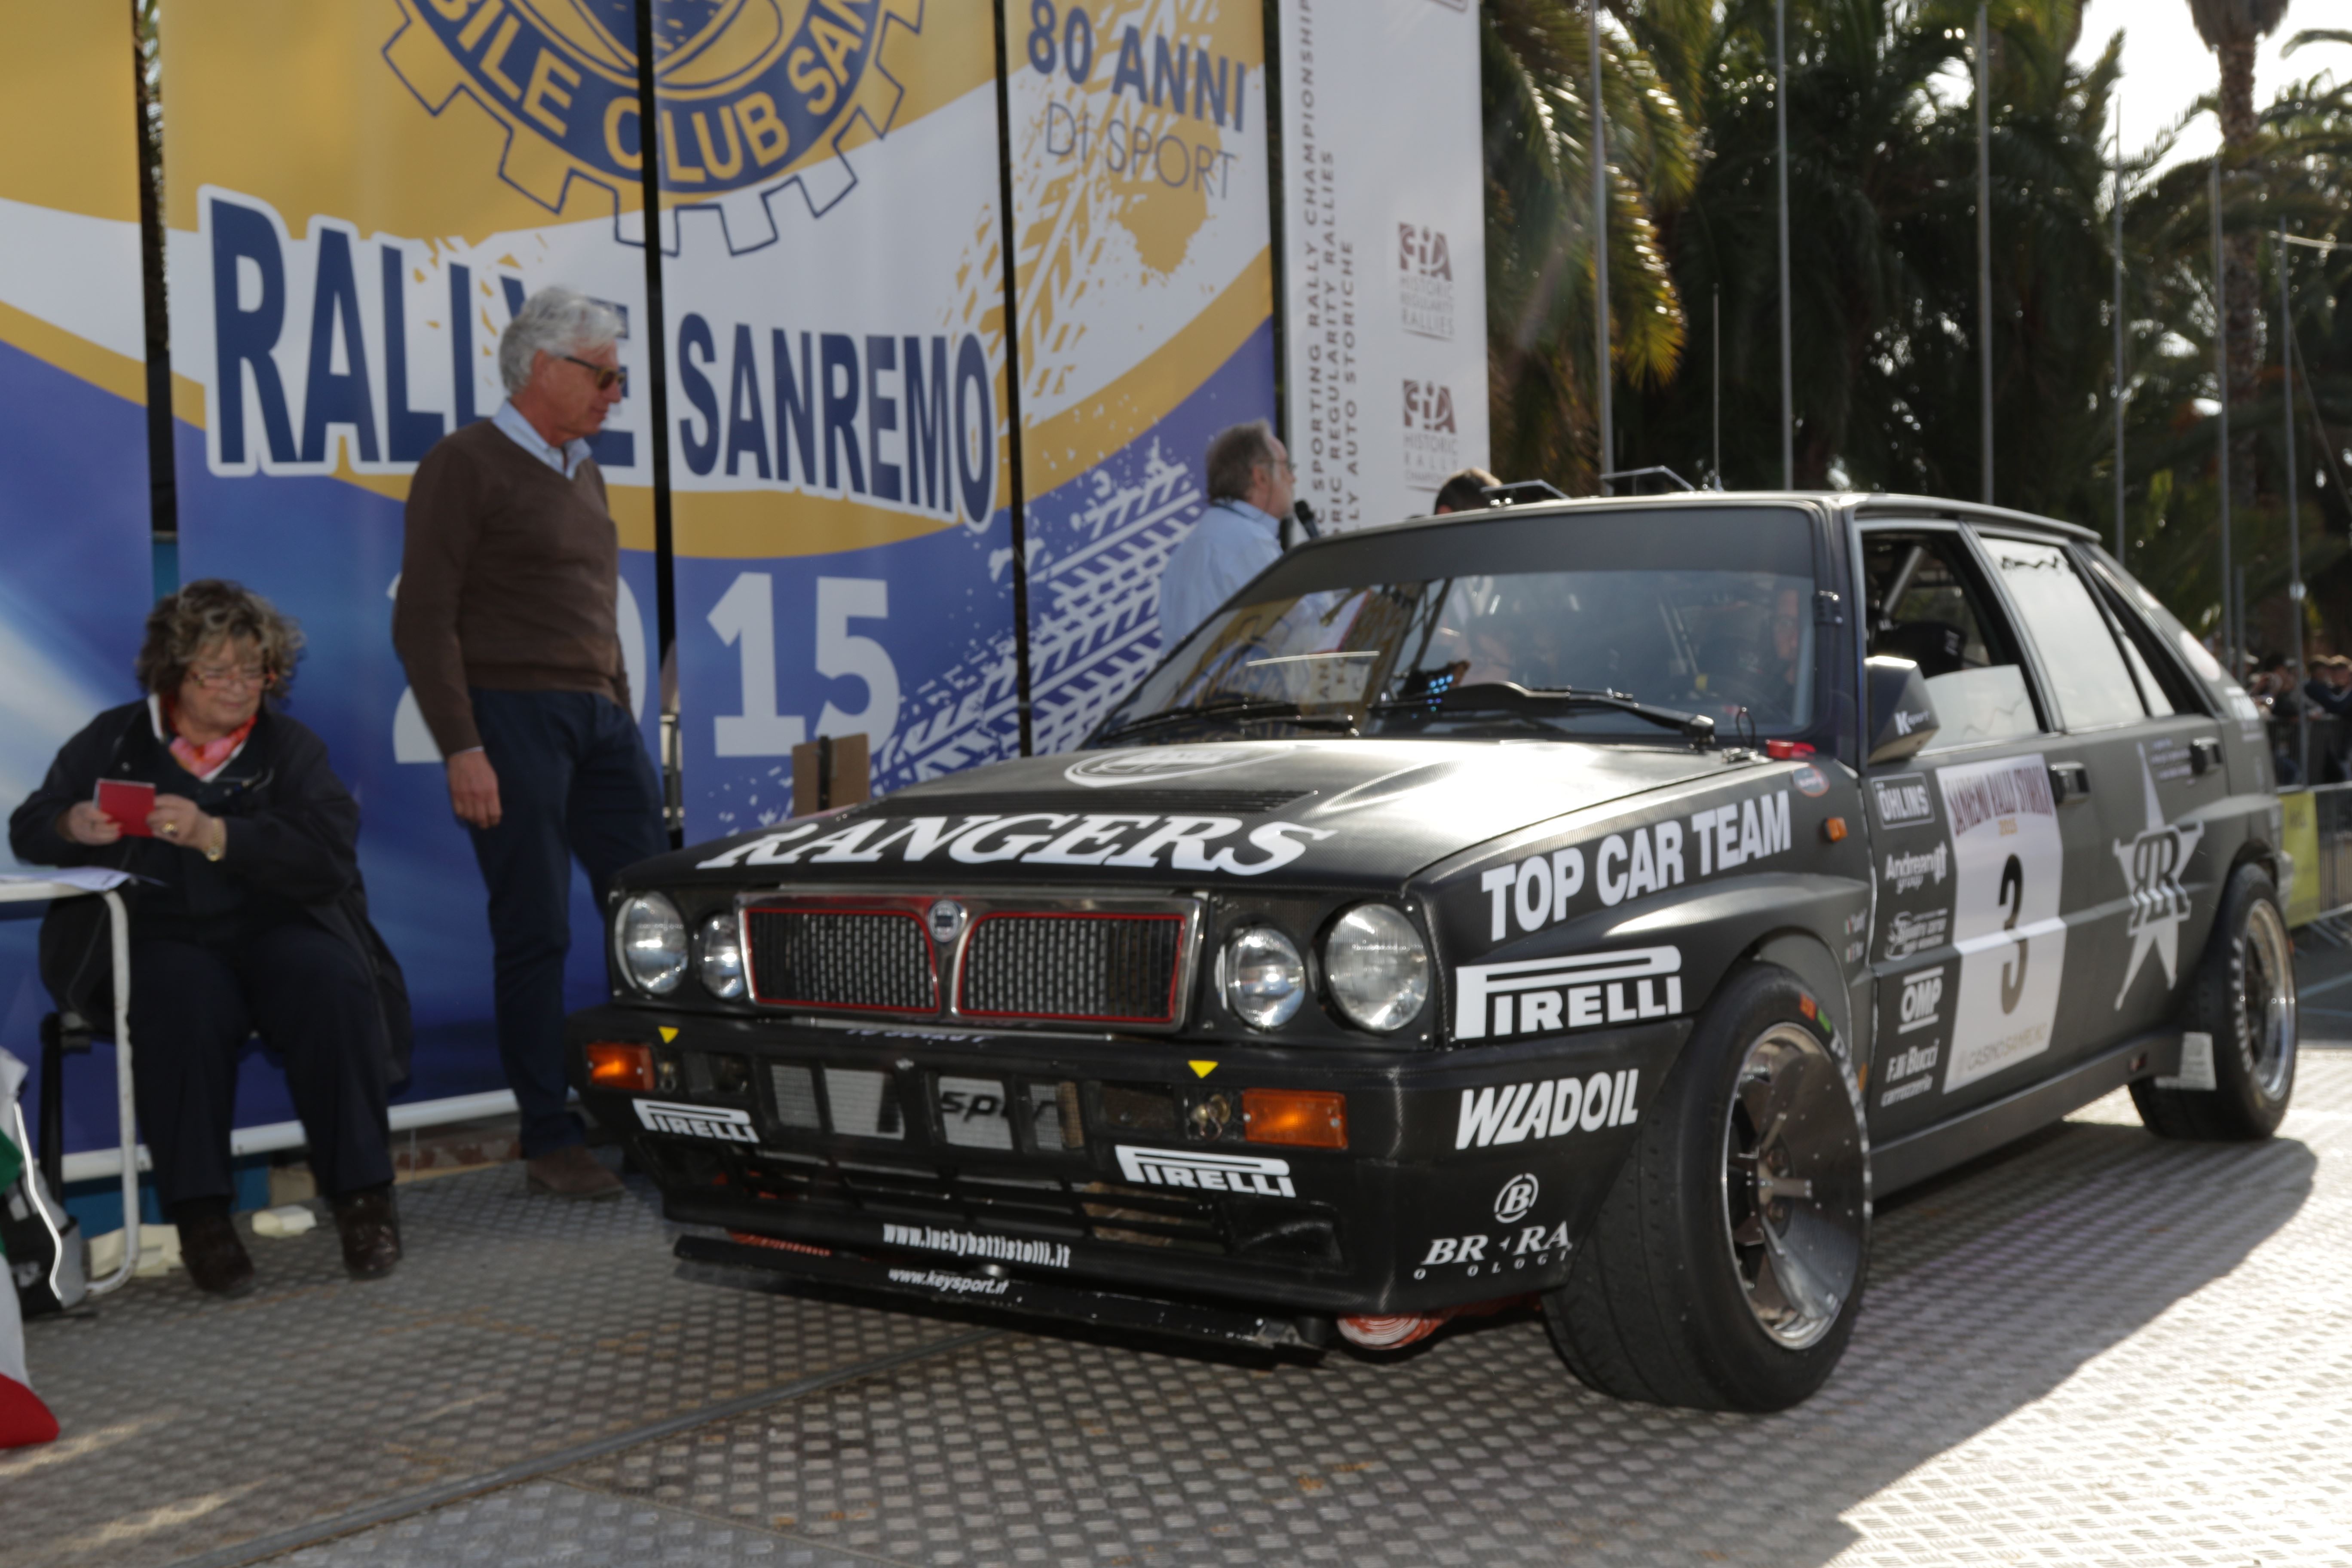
2005 920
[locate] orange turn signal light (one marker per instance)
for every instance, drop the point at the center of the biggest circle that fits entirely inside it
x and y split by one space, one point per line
1307 1118
613 1066
1833 829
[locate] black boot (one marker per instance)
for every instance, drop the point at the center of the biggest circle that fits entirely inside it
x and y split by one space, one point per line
215 1259
369 1223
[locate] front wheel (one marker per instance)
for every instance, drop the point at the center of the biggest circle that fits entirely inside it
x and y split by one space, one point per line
2237 1023
1726 1268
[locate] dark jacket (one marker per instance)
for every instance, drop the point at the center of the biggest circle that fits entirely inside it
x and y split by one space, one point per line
293 853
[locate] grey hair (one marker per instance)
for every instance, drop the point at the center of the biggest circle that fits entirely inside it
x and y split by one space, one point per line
557 322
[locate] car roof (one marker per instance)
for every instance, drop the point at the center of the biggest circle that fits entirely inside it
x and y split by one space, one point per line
1863 506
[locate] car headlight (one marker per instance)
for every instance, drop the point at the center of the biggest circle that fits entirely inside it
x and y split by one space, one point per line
1377 967
651 941
723 957
1264 978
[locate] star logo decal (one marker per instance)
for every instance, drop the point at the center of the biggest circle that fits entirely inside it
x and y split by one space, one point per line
2152 862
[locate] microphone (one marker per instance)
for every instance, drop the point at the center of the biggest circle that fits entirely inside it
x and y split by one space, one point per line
1306 516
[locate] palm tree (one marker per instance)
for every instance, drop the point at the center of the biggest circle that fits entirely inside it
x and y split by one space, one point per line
2232 29
1539 274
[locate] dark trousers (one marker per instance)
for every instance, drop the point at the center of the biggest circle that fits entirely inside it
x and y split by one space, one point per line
310 997
573 780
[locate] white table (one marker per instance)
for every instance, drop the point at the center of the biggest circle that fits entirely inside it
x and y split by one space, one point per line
17 890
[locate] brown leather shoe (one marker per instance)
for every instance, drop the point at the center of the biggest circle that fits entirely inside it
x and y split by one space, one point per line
572 1173
215 1259
369 1223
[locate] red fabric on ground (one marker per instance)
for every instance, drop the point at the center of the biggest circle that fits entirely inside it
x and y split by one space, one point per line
23 1419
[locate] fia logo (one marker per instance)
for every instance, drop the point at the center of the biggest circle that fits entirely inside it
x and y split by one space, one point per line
1422 252
2153 860
755 92
1428 405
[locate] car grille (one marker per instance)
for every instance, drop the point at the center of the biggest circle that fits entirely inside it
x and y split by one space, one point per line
1096 968
866 961
1120 962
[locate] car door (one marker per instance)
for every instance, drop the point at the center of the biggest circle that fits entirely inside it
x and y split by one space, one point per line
1976 854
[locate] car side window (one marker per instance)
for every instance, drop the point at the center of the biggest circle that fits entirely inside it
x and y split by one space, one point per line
2088 677
2153 640
1929 603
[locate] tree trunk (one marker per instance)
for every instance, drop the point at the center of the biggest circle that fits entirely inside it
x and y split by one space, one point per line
2241 252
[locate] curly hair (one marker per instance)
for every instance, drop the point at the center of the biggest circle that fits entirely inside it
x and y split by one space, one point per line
209 610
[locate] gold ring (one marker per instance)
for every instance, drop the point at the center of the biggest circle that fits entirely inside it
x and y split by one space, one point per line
171 830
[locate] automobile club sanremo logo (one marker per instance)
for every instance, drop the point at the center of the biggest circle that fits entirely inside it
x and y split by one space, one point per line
755 94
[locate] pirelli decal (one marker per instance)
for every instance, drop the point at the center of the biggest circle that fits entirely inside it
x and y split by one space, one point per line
1550 995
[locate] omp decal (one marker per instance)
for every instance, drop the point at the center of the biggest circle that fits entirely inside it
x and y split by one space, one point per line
959 1284
1037 837
697 1121
1536 890
1903 800
1547 996
1919 868
2007 862
1206 1172
968 1244
1517 1112
1909 932
1157 764
2153 861
1923 997
1517 1198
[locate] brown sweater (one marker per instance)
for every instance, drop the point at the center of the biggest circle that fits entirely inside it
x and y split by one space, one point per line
506 581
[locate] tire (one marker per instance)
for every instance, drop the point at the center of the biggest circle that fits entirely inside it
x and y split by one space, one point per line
1677 1297
2242 998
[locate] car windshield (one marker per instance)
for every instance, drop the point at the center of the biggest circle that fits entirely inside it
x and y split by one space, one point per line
1488 624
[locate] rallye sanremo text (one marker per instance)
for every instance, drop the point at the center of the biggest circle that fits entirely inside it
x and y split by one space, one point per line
1595 902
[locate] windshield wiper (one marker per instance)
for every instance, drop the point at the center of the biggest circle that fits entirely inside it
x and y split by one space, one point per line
1238 708
1509 697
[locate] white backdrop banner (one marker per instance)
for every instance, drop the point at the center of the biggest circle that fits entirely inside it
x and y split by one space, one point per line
1385 297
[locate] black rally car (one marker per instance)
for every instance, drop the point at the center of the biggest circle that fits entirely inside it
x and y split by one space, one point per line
1597 900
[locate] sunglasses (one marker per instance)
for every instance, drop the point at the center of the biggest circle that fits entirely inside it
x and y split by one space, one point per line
607 375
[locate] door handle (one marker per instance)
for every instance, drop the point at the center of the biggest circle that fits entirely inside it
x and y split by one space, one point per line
2204 754
2069 782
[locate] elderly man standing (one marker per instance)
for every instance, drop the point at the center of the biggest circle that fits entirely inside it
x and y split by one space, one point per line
1240 534
506 623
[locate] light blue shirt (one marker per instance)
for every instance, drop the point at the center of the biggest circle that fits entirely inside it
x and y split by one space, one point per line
1232 542
565 459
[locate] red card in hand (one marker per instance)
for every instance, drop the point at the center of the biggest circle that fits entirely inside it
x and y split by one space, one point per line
128 804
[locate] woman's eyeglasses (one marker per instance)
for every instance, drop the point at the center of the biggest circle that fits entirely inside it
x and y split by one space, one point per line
607 375
227 676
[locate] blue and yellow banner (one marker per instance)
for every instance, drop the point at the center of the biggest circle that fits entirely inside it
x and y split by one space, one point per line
76 556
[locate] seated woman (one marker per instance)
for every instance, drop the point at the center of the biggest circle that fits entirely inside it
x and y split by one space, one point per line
249 917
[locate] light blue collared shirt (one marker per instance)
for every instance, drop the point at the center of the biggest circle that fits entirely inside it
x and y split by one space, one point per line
1232 542
565 459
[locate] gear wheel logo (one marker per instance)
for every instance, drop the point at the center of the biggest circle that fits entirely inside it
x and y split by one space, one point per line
754 95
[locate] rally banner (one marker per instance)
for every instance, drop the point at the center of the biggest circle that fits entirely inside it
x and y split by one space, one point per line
1385 301
360 197
834 279
1144 298
75 541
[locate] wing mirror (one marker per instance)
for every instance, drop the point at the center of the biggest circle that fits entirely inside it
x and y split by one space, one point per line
1902 717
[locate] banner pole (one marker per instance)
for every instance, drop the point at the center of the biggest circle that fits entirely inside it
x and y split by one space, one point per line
1984 235
2119 335
2294 509
1780 110
2221 392
657 417
1012 465
1604 374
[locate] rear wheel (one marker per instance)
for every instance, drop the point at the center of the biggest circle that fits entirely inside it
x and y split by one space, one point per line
2237 1071
1727 1266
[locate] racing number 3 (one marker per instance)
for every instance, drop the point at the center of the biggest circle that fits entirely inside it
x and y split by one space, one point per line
2012 893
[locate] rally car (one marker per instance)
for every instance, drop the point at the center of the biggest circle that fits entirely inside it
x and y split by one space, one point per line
1594 902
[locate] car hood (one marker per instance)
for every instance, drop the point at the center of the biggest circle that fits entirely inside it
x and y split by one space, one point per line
1360 813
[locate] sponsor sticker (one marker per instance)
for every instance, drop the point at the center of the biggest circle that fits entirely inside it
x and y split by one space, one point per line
1909 932
1488 1253
958 1284
1157 764
1205 1171
969 1244
1895 1094
2153 860
1517 1198
1903 800
1140 840
1536 891
1919 868
1810 780
1923 998
2008 859
697 1122
1550 995
1553 1107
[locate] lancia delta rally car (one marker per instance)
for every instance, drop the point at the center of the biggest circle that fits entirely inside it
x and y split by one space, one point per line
1596 902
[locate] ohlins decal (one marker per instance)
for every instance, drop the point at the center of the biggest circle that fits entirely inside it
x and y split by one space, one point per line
1546 995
